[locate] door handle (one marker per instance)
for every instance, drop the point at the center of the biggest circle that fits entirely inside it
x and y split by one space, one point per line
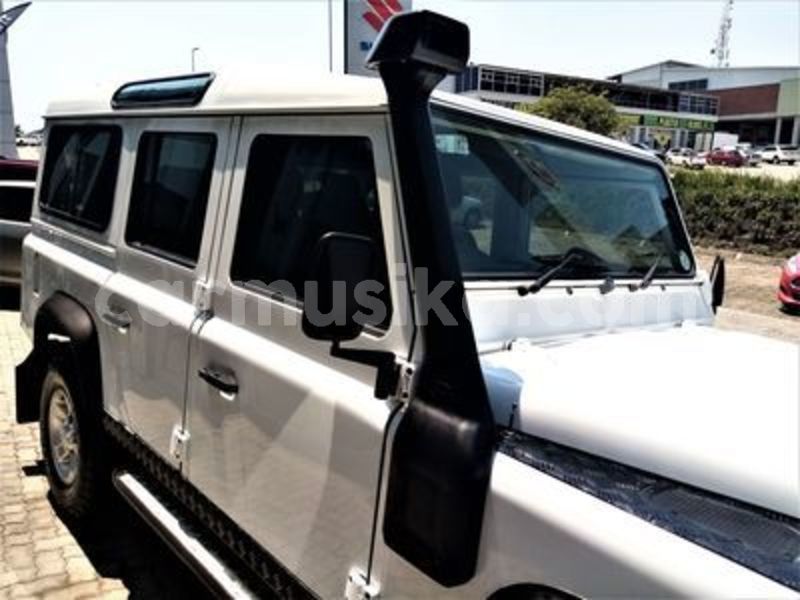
222 379
119 319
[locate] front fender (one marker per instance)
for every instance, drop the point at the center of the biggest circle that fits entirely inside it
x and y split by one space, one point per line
544 531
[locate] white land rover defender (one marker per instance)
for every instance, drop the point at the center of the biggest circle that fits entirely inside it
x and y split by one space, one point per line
258 309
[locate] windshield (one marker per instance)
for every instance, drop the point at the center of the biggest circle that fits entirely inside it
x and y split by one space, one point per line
519 200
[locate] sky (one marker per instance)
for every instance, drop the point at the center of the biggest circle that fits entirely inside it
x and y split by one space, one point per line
58 44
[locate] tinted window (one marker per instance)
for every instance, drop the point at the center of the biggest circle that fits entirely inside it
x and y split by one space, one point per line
80 174
297 189
170 194
15 202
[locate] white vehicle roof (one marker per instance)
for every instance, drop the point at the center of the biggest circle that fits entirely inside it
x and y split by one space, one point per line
246 93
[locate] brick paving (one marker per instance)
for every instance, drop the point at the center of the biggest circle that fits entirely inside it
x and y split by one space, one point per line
40 555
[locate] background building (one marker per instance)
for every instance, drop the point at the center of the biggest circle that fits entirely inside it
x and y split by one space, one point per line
661 118
760 104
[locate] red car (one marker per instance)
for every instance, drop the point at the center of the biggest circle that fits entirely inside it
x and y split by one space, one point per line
789 287
728 158
12 169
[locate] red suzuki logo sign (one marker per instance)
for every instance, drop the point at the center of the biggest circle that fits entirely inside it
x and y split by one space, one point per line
363 20
380 11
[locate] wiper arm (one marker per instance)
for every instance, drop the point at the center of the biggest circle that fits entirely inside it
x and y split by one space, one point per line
547 276
648 277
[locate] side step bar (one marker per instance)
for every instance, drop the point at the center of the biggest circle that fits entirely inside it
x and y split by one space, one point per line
213 572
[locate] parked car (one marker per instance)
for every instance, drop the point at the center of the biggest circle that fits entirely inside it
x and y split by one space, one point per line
751 155
14 169
17 183
504 414
730 157
685 157
789 284
777 154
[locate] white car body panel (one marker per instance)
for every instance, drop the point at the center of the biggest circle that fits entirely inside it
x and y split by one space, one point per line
714 409
575 308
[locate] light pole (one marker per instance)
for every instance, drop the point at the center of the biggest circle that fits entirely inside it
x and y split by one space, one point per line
330 35
194 51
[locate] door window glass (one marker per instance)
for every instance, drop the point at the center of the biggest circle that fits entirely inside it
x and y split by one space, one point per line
80 174
297 189
170 194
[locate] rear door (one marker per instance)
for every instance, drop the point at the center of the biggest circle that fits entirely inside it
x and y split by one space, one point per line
293 454
150 302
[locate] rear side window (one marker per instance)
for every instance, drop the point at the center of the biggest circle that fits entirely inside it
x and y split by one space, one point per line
297 189
170 194
15 203
80 174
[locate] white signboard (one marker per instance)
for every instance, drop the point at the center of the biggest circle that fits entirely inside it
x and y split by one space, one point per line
363 19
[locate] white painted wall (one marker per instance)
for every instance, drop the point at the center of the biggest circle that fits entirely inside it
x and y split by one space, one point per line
661 76
647 76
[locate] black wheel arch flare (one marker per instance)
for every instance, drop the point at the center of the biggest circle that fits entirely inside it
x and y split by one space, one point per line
78 351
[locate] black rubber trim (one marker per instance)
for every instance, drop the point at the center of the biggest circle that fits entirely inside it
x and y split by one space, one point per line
761 540
27 382
257 567
66 317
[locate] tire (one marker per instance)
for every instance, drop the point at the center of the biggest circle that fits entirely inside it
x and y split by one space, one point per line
791 163
776 161
790 309
72 443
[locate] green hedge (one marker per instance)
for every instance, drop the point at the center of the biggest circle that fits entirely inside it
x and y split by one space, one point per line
732 210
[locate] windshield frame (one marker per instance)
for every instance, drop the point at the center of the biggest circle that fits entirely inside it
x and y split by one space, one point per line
525 125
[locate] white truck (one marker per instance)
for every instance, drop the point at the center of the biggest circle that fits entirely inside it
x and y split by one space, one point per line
723 139
253 311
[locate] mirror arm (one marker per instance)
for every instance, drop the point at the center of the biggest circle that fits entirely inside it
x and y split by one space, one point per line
388 374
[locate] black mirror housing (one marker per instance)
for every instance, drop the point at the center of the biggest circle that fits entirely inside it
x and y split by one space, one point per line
341 261
717 278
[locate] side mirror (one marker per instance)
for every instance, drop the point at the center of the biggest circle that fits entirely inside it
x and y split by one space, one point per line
341 261
717 278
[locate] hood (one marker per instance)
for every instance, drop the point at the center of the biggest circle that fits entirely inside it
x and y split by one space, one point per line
715 409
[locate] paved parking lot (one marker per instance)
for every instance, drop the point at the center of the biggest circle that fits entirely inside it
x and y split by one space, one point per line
40 555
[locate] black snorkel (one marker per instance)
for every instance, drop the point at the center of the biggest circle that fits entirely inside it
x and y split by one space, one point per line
444 444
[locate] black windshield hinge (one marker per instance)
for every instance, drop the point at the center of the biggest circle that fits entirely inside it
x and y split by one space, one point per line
388 376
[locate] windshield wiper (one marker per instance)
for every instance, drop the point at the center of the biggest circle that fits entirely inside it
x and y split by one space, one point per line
567 258
648 277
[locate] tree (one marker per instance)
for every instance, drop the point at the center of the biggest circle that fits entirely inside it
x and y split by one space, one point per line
577 106
18 130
